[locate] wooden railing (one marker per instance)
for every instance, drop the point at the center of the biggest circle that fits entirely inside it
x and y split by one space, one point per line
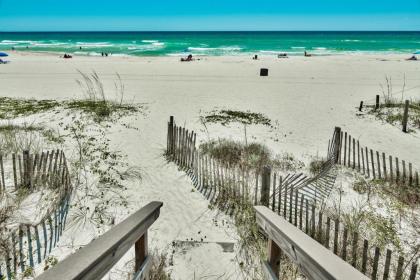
97 258
314 260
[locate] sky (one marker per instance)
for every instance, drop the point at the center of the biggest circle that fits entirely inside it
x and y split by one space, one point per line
188 15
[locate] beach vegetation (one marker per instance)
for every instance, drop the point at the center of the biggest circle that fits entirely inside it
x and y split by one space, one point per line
96 100
391 107
18 107
315 166
252 156
158 267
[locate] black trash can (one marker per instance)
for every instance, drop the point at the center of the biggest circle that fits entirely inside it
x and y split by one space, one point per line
263 72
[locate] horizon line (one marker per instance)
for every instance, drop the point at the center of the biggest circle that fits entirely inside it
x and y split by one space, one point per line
173 31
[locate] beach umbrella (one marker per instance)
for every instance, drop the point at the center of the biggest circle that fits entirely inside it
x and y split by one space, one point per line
2 54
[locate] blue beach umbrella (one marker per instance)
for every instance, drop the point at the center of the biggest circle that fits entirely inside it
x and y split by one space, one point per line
2 54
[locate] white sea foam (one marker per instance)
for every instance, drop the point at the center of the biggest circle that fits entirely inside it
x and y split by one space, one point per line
149 41
349 40
48 44
298 47
94 44
17 42
207 49
320 48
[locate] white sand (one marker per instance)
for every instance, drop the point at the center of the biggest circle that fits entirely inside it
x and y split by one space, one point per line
308 97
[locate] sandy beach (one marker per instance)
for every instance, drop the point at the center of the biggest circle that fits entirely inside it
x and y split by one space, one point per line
306 97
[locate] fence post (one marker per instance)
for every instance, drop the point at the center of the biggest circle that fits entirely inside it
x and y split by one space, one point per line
140 251
274 256
405 117
265 186
337 133
377 102
170 134
26 168
361 106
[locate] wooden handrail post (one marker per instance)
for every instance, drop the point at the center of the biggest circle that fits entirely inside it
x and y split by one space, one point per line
265 186
141 250
274 256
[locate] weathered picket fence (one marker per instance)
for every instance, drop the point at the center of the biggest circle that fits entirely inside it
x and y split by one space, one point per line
374 164
26 245
288 198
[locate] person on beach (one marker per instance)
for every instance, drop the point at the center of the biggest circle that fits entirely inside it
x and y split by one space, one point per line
255 57
282 55
189 58
412 58
307 54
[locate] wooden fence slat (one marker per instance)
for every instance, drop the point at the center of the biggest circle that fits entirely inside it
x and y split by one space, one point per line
367 161
384 165
399 273
375 264
345 149
387 264
372 159
365 255
344 249
336 228
355 246
391 171
327 233
413 272
378 160
358 155
354 154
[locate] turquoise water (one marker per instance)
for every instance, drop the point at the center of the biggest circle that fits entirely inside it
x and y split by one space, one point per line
212 43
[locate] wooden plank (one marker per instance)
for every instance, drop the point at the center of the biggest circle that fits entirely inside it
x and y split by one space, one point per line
387 264
98 257
314 261
354 154
327 233
296 207
410 174
373 164
355 246
349 156
320 236
273 203
280 190
358 156
15 179
384 166
413 271
404 177
141 251
301 212
400 269
367 161
345 149
397 168
336 228
306 217
378 160
363 161
375 264
30 251
274 256
391 171
365 255
344 249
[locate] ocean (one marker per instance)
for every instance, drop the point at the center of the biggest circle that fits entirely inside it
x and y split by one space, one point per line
211 43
